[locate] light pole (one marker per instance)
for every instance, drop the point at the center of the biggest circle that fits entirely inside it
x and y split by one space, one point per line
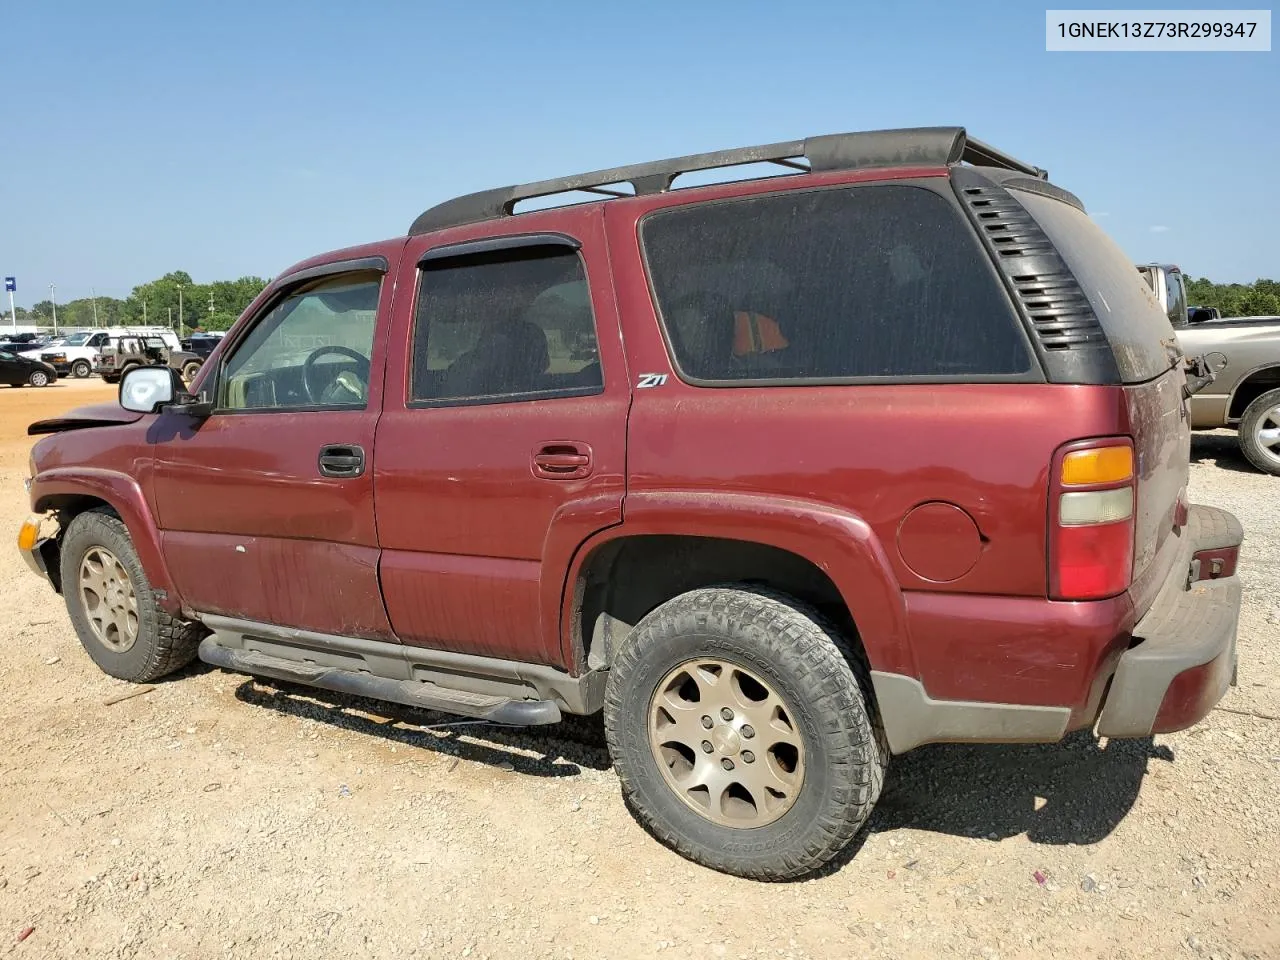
94 296
179 311
11 284
53 302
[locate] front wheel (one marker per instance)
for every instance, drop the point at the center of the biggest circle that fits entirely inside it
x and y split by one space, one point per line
81 369
113 607
1260 432
38 378
190 369
743 731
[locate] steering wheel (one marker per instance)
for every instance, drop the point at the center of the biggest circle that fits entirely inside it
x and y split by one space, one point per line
316 395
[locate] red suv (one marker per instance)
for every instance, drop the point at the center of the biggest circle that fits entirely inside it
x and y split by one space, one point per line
785 475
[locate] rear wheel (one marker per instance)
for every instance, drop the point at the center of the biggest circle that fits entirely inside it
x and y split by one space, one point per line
81 369
1260 432
38 378
112 605
742 729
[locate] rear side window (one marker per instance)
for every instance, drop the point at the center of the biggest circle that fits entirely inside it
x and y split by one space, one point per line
828 285
512 325
1127 308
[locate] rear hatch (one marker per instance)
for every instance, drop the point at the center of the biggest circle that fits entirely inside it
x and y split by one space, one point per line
1147 356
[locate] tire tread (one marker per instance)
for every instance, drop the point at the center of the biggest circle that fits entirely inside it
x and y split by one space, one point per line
825 662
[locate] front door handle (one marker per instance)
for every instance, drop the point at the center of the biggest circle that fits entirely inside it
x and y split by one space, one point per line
341 460
562 460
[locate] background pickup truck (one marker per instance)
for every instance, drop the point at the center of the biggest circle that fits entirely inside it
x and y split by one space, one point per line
1246 393
1246 359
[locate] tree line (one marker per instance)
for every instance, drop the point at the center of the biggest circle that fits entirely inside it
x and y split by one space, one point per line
1258 299
215 306
202 306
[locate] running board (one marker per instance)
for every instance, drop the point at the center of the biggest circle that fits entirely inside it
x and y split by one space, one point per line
413 693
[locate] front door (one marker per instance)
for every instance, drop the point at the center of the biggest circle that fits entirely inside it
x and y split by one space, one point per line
505 446
266 507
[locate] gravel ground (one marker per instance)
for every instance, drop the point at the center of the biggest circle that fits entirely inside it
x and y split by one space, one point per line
216 816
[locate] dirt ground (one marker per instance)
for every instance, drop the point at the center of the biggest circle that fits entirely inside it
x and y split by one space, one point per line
217 816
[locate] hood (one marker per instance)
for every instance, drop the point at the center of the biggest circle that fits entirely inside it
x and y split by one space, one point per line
96 415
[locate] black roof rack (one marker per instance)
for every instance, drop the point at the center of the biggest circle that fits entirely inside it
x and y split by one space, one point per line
842 151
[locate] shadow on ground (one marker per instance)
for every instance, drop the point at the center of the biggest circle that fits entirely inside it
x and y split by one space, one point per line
561 750
1222 449
1075 792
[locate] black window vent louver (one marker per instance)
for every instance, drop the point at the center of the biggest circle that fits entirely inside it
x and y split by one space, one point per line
1048 292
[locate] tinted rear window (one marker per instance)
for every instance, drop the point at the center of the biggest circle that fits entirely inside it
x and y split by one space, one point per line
1128 309
867 281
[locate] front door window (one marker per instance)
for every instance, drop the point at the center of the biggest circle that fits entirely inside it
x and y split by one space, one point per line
311 351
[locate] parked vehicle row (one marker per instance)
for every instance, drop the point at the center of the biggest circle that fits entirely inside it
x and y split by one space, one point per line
784 476
74 355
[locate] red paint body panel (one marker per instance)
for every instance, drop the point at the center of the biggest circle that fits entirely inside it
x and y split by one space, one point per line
1021 649
111 464
320 585
248 507
1193 693
464 520
841 544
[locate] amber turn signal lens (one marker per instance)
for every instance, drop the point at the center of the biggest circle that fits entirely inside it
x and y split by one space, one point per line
29 534
1100 465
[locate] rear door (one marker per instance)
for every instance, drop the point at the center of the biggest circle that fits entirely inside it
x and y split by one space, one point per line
503 442
266 507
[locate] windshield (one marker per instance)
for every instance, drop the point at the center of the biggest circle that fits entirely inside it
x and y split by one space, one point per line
1132 318
77 339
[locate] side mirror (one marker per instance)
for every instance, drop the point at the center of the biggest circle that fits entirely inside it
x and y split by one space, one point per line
151 389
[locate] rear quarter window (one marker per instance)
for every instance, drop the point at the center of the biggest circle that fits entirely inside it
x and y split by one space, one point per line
865 282
1127 308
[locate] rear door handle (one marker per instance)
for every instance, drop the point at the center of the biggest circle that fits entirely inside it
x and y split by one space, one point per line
341 460
562 460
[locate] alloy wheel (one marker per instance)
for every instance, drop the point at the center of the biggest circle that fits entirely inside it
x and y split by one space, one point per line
727 743
1267 433
110 604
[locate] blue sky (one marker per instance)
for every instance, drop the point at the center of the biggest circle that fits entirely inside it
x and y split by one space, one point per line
236 138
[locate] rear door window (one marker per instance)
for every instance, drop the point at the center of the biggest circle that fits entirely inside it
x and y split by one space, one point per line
873 281
1129 311
505 326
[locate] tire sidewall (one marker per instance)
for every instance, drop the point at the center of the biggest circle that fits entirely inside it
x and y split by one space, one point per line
81 369
91 530
1248 423
666 646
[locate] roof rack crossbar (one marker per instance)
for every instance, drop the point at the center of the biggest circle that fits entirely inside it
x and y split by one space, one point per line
845 151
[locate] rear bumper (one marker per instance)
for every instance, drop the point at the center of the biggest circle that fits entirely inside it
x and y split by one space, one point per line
1004 669
1183 655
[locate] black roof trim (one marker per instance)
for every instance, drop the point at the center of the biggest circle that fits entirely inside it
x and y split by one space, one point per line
377 263
844 151
517 241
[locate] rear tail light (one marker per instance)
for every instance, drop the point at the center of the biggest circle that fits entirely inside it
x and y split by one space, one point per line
1091 520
